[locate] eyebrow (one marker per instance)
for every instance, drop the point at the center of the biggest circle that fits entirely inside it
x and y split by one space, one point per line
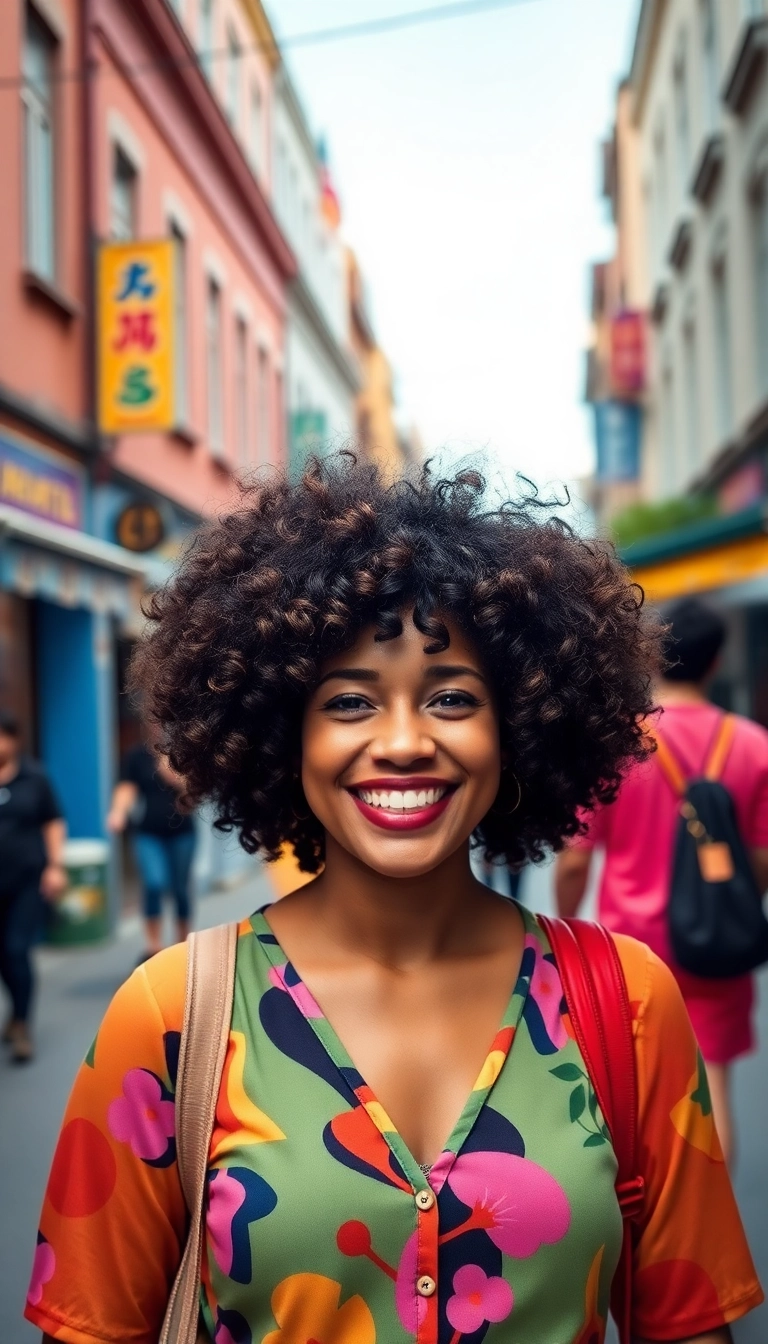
350 674
435 670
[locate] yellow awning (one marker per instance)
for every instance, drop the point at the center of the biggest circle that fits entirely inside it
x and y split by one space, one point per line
702 571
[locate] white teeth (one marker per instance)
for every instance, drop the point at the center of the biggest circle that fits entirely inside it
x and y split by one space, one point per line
397 800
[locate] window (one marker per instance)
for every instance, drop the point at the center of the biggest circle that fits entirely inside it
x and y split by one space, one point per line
668 473
39 147
205 37
181 390
682 123
213 361
711 73
722 338
234 60
752 8
262 408
691 380
660 195
122 222
241 391
761 283
255 129
280 414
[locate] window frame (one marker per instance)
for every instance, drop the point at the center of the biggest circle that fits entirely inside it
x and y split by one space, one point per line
40 242
121 155
242 346
214 366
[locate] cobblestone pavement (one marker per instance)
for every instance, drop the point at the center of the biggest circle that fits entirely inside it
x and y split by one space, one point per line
75 987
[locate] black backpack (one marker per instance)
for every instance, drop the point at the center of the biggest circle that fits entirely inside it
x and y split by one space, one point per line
715 913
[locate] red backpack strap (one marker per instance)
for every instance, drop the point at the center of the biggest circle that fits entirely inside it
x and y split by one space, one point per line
598 1005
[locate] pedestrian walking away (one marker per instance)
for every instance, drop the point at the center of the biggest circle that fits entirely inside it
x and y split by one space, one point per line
433 1115
32 834
638 832
147 799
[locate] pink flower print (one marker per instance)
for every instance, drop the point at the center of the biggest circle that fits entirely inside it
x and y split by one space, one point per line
142 1116
546 990
226 1197
43 1270
477 1299
519 1204
285 977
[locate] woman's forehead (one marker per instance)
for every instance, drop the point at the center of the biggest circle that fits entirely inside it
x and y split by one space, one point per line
409 647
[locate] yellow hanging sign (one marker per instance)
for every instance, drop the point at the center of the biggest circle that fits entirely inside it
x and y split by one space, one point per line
136 336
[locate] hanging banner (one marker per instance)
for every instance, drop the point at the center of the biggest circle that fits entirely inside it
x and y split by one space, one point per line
135 335
617 434
628 355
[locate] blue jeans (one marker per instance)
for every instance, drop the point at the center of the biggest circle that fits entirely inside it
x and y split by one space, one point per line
165 864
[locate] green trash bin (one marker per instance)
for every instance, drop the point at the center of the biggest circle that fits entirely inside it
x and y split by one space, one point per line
80 913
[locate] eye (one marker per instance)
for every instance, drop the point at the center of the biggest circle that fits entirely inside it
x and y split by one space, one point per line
453 700
348 704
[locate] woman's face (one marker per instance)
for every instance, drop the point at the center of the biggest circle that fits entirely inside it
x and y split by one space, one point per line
400 750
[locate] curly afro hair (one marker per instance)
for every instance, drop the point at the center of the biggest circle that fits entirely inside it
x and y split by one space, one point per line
291 576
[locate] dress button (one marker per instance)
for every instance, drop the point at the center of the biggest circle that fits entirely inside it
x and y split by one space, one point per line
425 1286
425 1200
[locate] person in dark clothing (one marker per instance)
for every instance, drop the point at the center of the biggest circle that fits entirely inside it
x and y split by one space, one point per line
146 799
32 835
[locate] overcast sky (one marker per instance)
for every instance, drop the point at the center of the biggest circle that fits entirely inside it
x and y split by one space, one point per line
465 155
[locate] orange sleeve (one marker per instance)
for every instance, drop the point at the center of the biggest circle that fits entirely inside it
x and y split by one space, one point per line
693 1269
113 1222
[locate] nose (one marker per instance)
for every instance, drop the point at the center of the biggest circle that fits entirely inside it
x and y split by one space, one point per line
402 738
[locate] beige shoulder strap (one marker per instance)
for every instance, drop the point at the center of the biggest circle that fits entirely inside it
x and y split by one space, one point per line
204 1038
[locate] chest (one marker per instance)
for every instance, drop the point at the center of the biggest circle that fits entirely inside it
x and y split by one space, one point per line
318 1211
420 1041
19 804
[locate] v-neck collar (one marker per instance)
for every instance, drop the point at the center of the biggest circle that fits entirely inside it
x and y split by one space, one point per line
286 976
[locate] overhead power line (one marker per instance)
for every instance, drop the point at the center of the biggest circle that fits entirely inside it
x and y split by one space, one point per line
313 37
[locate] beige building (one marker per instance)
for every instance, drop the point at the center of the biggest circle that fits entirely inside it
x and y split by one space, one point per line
699 85
696 151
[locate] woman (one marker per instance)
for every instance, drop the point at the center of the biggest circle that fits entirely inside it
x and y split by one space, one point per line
32 835
376 675
638 832
163 836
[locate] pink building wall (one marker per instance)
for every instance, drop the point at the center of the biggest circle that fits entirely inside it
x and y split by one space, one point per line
192 170
42 351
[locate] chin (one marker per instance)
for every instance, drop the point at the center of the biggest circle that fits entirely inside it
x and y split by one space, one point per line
401 865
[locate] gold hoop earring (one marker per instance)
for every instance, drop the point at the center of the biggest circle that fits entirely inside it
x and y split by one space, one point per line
509 811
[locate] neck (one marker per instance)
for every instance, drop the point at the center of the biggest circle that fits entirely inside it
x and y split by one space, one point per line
400 921
680 693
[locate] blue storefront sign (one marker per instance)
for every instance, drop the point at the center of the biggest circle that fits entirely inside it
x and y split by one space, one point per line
49 487
617 436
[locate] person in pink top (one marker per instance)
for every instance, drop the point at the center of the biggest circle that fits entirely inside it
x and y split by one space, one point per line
638 831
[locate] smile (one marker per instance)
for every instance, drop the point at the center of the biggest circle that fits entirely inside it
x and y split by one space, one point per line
402 805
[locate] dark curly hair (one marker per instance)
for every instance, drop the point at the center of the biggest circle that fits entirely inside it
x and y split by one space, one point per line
290 577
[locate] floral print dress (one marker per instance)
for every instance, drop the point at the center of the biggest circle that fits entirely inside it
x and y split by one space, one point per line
323 1229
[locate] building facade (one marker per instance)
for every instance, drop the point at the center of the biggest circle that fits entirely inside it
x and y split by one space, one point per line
322 377
698 99
164 134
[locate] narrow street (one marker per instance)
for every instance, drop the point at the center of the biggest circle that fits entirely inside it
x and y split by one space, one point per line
76 986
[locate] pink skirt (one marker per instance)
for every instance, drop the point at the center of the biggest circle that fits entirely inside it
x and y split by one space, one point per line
721 1013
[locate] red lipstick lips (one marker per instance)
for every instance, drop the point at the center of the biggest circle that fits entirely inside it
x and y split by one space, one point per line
417 801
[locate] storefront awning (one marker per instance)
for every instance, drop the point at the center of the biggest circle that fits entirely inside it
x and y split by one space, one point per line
716 554
63 565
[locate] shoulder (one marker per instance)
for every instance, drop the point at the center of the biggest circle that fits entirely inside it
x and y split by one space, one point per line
752 736
163 979
660 1020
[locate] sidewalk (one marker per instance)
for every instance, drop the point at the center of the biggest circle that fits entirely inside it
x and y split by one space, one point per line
76 984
